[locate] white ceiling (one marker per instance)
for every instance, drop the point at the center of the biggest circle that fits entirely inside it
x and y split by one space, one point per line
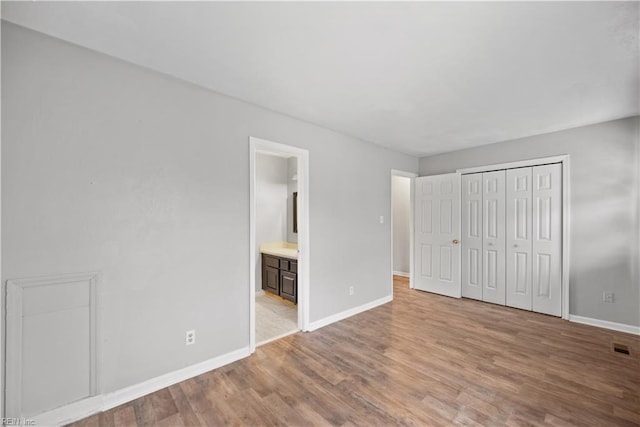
421 78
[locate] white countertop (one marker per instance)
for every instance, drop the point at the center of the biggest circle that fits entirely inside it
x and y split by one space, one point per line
281 249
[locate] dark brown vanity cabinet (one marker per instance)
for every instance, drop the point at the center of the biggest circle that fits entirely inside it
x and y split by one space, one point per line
280 276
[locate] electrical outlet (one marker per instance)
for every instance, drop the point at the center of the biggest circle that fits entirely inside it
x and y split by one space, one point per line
190 337
351 290
607 296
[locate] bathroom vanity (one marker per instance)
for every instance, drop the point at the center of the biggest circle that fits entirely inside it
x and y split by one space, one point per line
280 270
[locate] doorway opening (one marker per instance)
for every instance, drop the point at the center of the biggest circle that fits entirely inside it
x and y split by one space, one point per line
402 226
279 269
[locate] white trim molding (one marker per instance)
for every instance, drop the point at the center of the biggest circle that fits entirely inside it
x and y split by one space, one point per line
614 326
348 313
565 160
516 164
87 407
2 289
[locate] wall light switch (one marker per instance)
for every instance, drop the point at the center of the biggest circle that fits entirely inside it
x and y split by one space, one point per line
381 219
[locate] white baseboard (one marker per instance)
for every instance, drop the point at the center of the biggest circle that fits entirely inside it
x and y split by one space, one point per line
621 327
401 273
93 405
260 292
111 400
69 413
348 313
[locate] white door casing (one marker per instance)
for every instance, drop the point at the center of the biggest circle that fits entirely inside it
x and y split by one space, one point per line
437 229
547 239
258 145
493 242
519 223
471 242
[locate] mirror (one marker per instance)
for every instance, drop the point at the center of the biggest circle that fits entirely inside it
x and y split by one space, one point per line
295 212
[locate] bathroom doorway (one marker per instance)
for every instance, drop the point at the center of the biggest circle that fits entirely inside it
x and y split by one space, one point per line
278 241
402 225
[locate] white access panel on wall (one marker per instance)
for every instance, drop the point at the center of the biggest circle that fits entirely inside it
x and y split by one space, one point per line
51 342
437 230
547 239
493 242
472 236
519 223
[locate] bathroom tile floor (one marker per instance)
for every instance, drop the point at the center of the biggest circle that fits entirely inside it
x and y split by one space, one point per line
275 318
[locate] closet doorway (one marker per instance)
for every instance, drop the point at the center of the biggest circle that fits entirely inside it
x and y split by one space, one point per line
503 238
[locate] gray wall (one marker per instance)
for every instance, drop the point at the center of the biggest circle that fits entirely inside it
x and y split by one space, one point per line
110 167
271 204
401 200
604 208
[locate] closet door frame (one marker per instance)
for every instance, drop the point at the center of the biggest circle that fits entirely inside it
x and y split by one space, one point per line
566 206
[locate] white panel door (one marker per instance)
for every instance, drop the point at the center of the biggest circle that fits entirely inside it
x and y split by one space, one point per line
471 241
437 231
493 242
519 223
547 239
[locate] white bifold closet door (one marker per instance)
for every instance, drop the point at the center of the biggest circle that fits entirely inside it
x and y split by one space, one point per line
519 223
493 241
472 236
547 239
512 237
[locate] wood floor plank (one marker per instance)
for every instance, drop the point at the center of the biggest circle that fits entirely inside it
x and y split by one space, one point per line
124 415
107 418
181 401
174 420
311 416
422 359
163 404
145 413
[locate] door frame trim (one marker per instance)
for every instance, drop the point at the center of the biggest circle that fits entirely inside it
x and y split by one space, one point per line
565 160
412 178
263 146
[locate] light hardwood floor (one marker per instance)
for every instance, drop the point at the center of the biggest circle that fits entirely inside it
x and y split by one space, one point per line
421 360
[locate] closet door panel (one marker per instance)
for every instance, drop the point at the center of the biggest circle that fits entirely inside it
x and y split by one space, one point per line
547 239
493 244
518 247
472 236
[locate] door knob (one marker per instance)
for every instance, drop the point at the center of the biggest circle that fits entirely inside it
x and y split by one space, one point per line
455 241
